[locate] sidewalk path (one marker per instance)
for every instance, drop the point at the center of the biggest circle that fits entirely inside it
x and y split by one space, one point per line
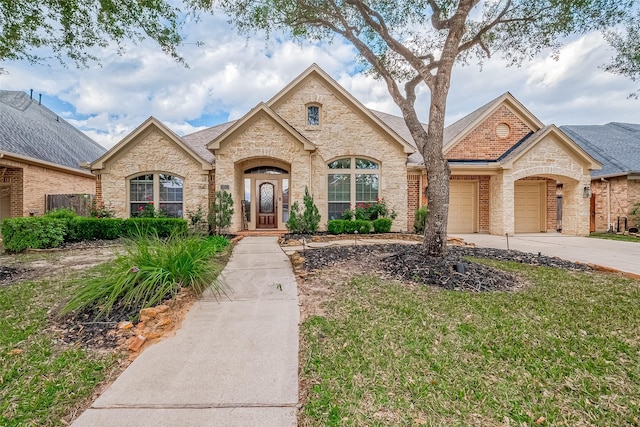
234 362
623 256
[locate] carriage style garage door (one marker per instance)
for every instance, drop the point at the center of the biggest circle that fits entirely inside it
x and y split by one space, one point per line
528 205
463 206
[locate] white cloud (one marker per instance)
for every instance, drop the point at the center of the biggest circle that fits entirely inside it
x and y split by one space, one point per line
229 74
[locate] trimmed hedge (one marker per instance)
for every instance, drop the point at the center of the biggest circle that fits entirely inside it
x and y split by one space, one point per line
162 227
83 228
342 226
382 225
43 232
39 232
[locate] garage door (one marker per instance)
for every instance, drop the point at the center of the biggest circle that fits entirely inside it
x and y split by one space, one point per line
462 206
528 207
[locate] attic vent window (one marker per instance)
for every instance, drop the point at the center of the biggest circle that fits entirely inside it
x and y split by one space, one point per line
313 115
502 130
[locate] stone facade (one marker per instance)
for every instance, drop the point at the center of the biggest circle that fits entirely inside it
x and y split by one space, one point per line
344 132
151 152
29 185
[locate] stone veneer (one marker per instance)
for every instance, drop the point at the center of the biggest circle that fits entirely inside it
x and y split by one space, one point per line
343 132
30 184
152 152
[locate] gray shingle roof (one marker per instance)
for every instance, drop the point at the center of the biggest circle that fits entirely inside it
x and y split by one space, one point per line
615 145
32 130
198 140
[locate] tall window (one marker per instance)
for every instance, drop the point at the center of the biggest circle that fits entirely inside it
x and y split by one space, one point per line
313 115
153 192
351 181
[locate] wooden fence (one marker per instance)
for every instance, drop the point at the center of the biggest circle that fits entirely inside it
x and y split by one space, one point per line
79 203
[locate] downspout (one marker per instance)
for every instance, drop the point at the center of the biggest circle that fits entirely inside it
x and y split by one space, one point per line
608 202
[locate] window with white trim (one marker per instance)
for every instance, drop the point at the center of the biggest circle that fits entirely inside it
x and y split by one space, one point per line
156 191
352 181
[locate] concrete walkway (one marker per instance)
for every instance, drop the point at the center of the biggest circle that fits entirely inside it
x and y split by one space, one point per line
623 256
234 362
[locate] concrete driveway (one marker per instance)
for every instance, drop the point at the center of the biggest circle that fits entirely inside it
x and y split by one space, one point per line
623 256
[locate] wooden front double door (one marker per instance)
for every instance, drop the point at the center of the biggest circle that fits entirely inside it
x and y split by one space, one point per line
267 212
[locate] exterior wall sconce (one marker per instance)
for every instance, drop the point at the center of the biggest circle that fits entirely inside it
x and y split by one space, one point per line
586 192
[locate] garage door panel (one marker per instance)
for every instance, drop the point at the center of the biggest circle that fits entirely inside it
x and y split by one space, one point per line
462 207
528 207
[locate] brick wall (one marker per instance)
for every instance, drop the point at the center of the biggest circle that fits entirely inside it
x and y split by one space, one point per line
12 178
624 193
484 144
29 190
413 198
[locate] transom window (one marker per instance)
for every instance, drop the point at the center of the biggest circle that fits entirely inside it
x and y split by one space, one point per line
313 115
158 192
269 170
351 181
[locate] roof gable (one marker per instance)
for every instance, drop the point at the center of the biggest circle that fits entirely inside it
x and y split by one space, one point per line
566 143
504 105
261 110
30 130
315 72
147 126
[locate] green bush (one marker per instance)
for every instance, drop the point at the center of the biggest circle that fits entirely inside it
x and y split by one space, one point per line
40 232
220 211
360 225
336 226
83 228
61 213
420 220
162 227
150 271
306 221
382 225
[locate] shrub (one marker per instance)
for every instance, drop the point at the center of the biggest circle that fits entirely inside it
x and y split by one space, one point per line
306 221
635 214
61 213
41 232
420 221
99 210
150 271
382 225
220 211
336 226
360 225
81 228
197 218
162 227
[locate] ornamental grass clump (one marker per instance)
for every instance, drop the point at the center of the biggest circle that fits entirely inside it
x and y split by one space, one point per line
150 271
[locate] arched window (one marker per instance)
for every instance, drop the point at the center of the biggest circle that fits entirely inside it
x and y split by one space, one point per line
351 181
156 193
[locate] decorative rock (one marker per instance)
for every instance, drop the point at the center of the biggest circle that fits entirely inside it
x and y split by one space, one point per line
125 325
137 343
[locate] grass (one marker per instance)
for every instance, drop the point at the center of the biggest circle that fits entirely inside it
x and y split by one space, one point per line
150 271
565 350
613 236
40 381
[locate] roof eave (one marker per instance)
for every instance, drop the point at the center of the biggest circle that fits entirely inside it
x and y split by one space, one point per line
49 165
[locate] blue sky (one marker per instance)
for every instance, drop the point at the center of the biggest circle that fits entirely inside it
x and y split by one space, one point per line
229 74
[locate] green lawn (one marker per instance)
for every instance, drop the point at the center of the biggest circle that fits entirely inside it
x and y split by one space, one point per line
40 381
613 236
564 350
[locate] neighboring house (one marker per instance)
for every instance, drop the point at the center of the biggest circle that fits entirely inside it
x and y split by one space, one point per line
40 154
505 164
616 187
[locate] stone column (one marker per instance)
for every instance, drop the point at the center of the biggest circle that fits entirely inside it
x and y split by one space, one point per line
575 208
501 215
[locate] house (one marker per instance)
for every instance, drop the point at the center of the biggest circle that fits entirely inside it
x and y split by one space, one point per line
40 154
505 164
616 187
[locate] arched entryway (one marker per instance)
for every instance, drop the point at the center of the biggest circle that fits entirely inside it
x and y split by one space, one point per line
265 204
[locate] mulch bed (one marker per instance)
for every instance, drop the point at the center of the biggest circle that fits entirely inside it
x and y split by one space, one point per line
8 273
411 263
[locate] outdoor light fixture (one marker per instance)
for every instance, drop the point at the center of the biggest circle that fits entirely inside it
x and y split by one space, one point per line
586 192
